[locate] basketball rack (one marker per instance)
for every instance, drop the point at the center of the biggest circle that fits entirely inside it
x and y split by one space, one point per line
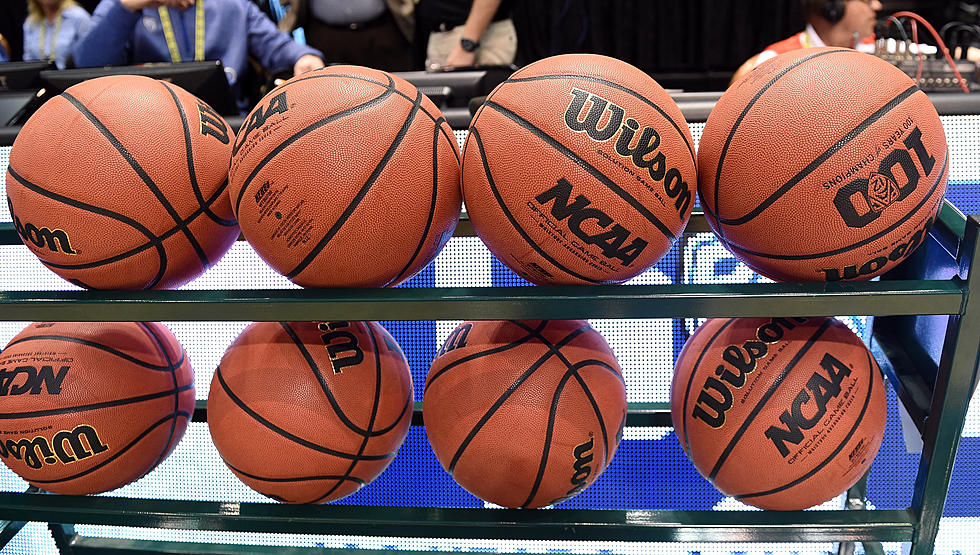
926 296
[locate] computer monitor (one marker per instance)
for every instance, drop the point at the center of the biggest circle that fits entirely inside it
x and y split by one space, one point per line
17 106
456 88
19 76
206 80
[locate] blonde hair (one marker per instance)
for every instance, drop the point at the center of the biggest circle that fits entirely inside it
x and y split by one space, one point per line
35 14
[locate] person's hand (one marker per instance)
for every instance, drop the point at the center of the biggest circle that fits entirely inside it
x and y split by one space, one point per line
307 62
137 5
460 58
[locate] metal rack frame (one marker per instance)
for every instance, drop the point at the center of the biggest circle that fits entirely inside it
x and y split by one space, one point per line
928 294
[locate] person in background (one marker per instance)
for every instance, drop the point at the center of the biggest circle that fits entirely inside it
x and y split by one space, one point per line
843 23
127 32
359 32
4 49
465 33
52 28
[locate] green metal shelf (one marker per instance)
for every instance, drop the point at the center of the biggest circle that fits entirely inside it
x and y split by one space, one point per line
493 303
430 522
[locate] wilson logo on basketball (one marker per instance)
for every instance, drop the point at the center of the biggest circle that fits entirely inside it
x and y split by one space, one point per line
211 123
641 148
612 237
65 447
581 467
716 398
821 389
339 342
41 237
861 201
456 340
33 380
277 105
869 267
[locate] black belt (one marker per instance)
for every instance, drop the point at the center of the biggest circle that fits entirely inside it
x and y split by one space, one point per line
365 24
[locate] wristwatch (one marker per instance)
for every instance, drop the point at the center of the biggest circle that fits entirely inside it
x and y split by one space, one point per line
469 45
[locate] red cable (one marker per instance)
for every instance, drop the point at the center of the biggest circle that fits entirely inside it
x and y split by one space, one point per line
939 42
918 50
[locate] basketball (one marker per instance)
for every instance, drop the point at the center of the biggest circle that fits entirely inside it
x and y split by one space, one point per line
90 407
579 169
822 164
307 412
346 177
524 414
120 183
779 413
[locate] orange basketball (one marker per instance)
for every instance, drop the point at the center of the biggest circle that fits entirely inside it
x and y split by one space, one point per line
90 407
579 169
524 414
119 183
346 177
307 412
780 413
822 164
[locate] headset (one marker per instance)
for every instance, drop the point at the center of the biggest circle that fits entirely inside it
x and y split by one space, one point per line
832 10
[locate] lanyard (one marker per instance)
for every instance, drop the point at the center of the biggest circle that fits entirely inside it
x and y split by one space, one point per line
168 32
43 45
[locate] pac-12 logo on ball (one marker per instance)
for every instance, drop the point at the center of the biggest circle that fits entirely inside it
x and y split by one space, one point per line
861 201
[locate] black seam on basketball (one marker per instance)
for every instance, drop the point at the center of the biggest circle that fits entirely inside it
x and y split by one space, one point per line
326 390
442 124
513 221
156 241
548 435
315 368
101 347
287 435
588 394
391 84
507 393
218 193
293 479
371 420
356 201
477 355
191 170
592 170
144 177
765 397
638 96
840 446
173 378
300 134
153 240
573 369
595 406
94 406
738 120
433 200
816 162
690 381
77 282
172 417
914 212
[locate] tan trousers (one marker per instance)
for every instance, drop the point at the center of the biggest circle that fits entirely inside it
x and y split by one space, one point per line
498 45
